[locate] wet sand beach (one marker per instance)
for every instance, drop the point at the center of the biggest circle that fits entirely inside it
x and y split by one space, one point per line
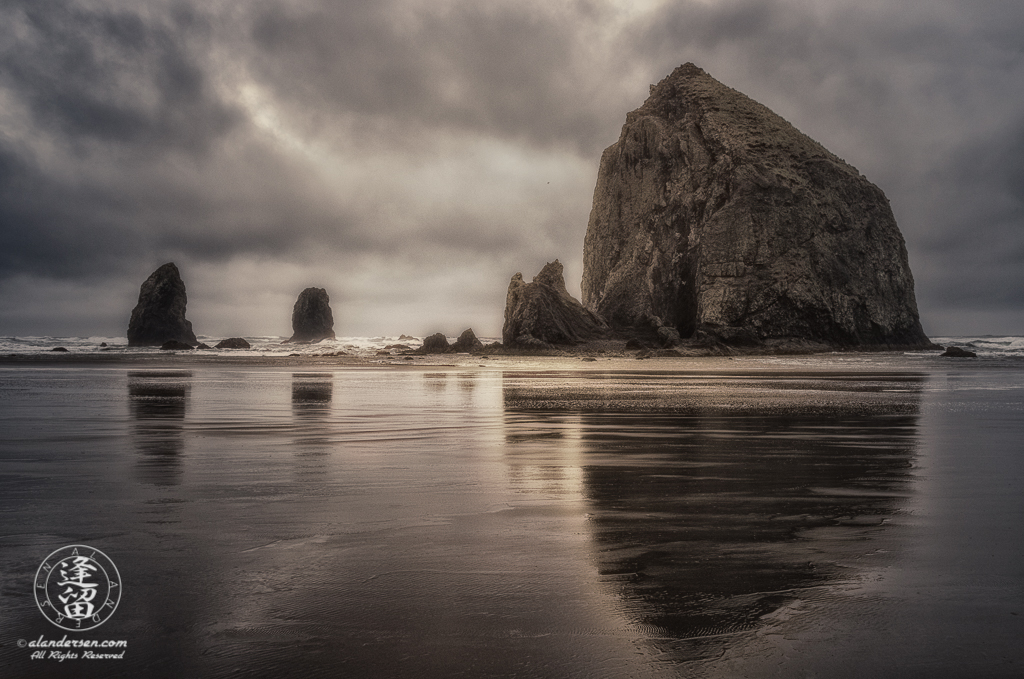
836 515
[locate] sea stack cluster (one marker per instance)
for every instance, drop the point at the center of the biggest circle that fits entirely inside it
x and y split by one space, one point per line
715 223
716 220
437 343
159 317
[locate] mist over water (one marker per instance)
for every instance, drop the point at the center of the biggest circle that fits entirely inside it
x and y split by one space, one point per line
464 521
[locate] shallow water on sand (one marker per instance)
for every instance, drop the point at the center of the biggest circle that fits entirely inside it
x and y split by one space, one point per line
458 521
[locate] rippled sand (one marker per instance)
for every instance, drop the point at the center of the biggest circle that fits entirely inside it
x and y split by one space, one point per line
836 516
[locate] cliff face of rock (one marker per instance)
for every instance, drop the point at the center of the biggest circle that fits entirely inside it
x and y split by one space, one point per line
312 319
159 316
543 312
713 215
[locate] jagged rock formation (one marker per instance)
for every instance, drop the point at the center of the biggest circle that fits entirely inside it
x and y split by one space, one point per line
716 217
467 342
543 312
438 344
312 320
159 316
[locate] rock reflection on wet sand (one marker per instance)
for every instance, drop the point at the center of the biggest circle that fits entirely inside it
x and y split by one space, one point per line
311 393
708 520
158 400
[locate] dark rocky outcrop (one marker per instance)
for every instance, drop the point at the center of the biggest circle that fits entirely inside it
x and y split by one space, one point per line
714 216
233 343
957 352
312 320
175 345
435 344
160 314
543 313
467 342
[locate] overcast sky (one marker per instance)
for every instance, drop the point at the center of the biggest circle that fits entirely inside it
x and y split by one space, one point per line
411 155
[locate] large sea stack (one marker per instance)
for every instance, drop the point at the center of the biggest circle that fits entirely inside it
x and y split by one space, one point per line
312 319
714 216
543 312
159 316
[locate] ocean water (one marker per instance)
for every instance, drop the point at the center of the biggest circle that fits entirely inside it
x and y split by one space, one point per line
260 346
986 346
818 516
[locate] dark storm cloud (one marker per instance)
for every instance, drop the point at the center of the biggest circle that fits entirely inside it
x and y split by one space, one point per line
114 76
51 229
976 243
84 228
511 70
112 92
129 89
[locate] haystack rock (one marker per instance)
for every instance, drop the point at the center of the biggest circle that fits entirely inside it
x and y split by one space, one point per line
714 216
544 312
312 320
159 316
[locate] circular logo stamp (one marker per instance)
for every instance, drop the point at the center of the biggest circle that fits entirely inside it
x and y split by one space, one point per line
77 588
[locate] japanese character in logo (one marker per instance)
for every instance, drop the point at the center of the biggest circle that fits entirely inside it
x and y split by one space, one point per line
77 588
